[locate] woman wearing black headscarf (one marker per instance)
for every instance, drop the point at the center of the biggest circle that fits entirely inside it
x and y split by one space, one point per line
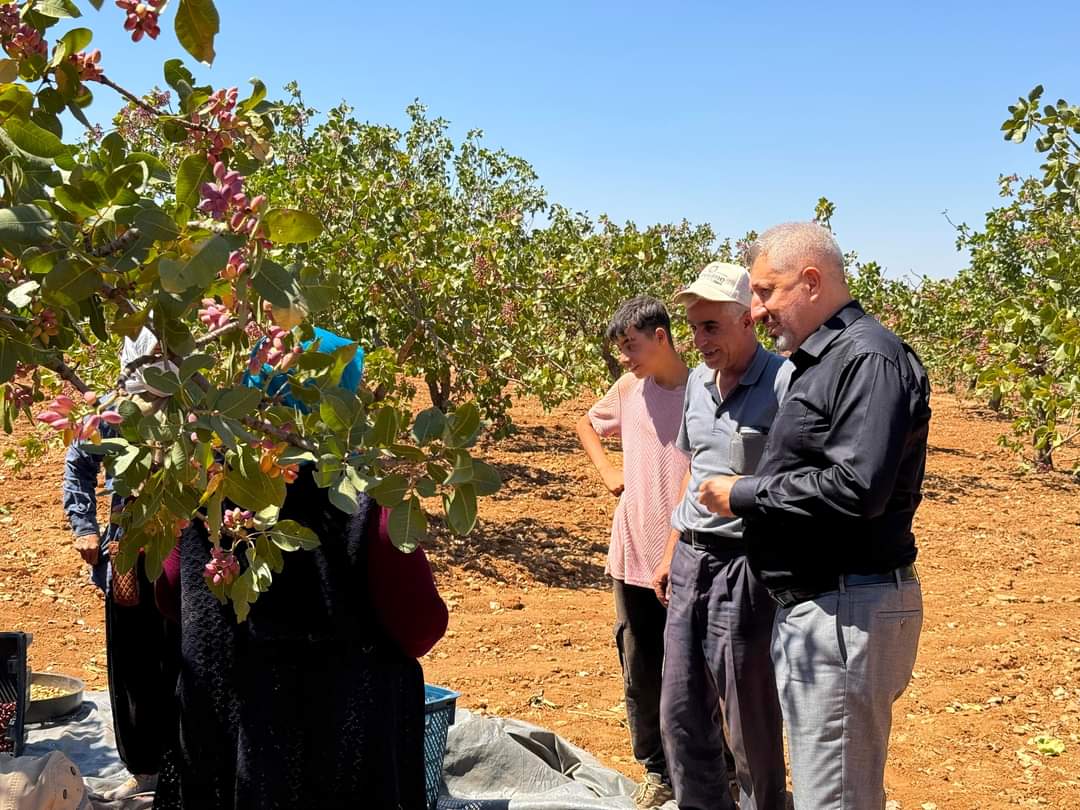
316 701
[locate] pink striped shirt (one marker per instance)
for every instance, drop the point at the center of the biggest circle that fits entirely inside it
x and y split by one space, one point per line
647 418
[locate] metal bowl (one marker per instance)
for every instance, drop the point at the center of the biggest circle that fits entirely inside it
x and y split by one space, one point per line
50 708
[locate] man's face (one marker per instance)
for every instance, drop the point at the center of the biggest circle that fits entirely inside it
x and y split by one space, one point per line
781 302
641 352
718 333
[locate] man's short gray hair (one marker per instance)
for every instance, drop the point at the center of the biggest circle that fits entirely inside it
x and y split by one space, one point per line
795 245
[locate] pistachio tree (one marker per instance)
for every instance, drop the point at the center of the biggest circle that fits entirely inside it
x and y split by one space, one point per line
104 237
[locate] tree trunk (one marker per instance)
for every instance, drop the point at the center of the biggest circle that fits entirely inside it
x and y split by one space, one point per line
439 388
614 369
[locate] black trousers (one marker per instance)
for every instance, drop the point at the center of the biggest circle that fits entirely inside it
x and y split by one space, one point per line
144 653
639 635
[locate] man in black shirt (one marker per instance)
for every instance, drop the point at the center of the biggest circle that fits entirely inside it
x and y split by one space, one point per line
828 517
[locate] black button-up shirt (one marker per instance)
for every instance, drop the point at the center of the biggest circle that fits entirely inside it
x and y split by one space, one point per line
841 474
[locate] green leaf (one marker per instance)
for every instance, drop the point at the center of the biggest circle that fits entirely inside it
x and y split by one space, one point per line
175 132
341 412
269 551
462 426
407 524
486 479
194 170
128 456
153 223
243 594
429 425
425 487
178 457
171 273
108 447
260 569
24 225
70 43
258 93
164 381
463 469
318 294
157 169
51 100
1048 746
205 265
287 226
57 9
9 71
295 455
11 353
390 491
344 495
276 284
196 25
239 402
384 431
69 282
175 73
128 554
33 139
407 452
196 362
253 489
154 554
288 535
461 509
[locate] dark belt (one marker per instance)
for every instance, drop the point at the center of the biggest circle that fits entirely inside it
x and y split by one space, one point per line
792 596
712 542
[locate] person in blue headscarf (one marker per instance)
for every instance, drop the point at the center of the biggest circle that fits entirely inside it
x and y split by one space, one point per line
328 343
310 702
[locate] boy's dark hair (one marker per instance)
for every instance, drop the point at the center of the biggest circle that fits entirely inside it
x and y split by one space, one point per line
644 313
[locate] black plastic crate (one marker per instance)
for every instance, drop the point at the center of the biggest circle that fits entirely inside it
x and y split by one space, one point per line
14 691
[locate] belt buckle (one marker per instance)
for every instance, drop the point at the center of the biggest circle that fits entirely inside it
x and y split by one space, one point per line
784 599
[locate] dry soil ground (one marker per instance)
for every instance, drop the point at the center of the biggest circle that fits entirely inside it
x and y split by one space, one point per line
531 613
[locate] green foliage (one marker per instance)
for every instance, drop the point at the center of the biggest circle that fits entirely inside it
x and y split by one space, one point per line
1007 327
449 260
157 225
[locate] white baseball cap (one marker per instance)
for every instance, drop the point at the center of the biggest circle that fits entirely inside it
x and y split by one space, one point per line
718 281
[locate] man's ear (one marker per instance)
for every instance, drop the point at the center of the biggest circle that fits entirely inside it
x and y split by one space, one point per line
811 277
661 336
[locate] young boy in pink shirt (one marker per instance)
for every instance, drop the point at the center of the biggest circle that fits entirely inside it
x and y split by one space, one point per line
644 409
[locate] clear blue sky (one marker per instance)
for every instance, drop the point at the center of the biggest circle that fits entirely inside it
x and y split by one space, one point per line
740 115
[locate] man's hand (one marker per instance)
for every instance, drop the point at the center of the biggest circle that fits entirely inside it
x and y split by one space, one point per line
715 494
661 581
89 547
613 480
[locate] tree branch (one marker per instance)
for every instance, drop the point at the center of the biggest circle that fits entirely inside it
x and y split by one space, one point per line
120 243
145 359
278 433
66 372
138 102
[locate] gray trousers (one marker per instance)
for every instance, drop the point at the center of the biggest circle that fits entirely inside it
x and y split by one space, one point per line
841 662
717 674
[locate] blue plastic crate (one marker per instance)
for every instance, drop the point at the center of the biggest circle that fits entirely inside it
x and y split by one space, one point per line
439 707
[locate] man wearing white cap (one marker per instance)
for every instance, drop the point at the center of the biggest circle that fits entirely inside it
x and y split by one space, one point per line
717 668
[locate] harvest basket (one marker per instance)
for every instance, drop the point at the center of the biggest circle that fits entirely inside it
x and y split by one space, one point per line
439 707
14 691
